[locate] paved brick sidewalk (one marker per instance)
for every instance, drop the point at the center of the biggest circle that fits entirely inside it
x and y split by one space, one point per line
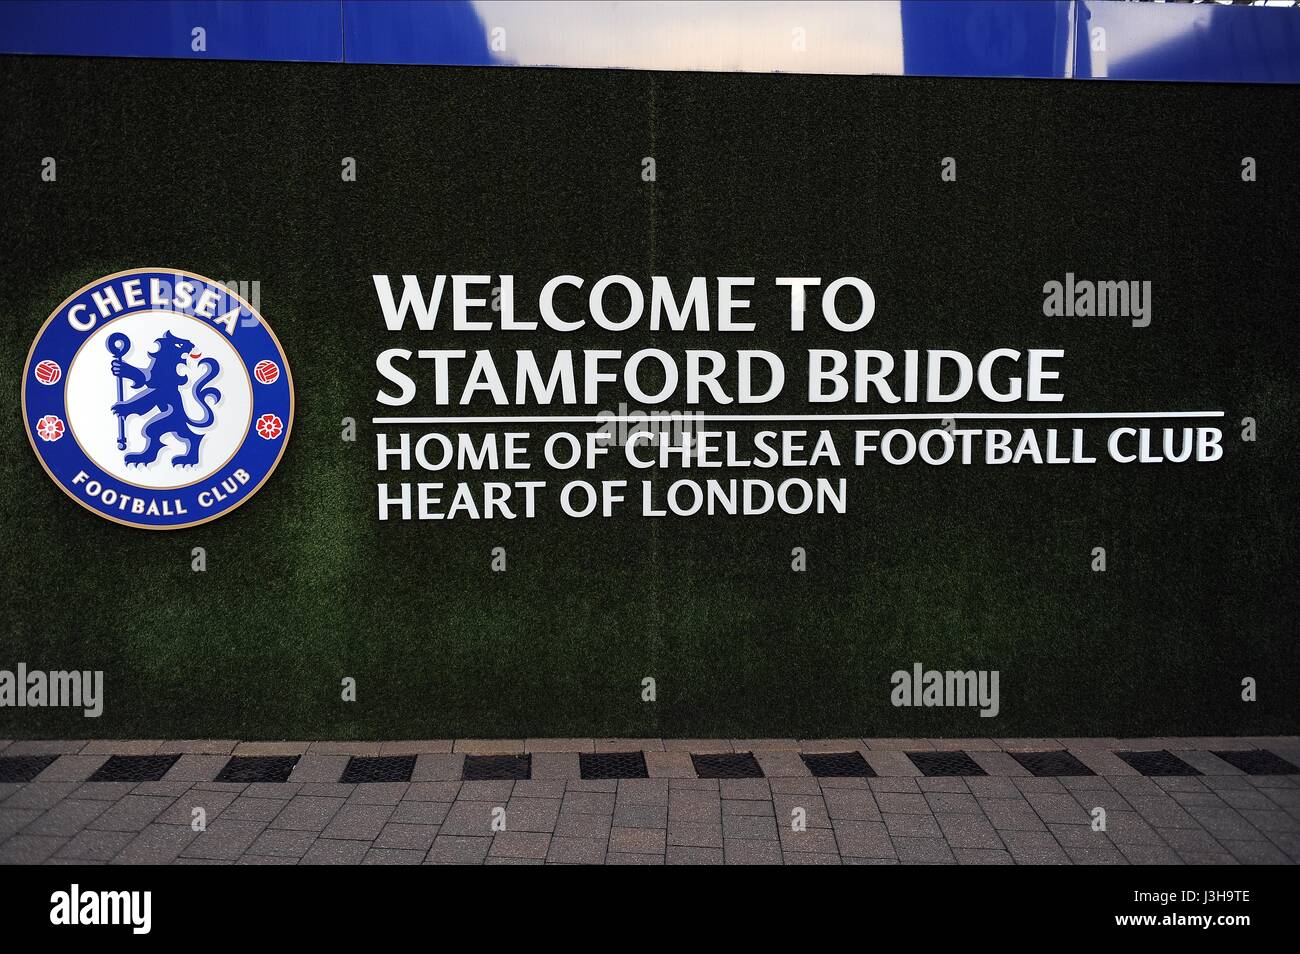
997 804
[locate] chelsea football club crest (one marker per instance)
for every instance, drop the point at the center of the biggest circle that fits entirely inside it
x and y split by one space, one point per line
157 398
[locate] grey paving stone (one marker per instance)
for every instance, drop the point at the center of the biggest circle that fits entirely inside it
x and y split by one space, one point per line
392 856
1225 823
1271 821
850 804
408 837
555 765
592 803
969 831
692 855
606 785
532 814
573 825
307 813
1288 841
623 858
132 813
813 858
163 788
1247 798
194 767
1162 811
1035 785
486 791
642 791
951 803
72 768
1130 828
999 764
363 822
69 817
951 785
538 788
1191 841
181 811
1138 785
766 809
695 835
1143 854
471 819
267 860
520 844
1010 814
225 839
983 856
438 767
282 842
432 792
378 793
315 767
1063 809
782 764
814 839
1179 783
749 827
920 826
327 851
863 839
930 851
1034 848
29 849
42 795
891 764
638 816
286 790
901 803
638 840
745 788
669 765
992 787
751 852
156 845
576 851
695 807
1255 852
458 850
1100 855
794 786
1079 836
263 810
420 813
93 845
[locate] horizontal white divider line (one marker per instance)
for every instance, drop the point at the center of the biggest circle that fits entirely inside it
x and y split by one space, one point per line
696 416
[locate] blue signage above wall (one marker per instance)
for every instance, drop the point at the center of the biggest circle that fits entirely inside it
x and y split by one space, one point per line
1062 39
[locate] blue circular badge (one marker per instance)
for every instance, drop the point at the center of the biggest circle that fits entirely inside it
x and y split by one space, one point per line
157 398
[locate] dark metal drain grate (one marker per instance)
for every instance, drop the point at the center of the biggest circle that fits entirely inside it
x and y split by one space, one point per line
1052 764
381 768
613 765
134 768
1157 763
727 765
497 768
838 765
945 763
1259 762
23 768
258 768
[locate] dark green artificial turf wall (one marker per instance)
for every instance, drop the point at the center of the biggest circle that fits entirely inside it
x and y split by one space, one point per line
232 170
